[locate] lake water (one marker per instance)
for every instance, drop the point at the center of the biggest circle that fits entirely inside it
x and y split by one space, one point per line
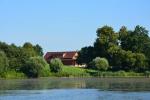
75 89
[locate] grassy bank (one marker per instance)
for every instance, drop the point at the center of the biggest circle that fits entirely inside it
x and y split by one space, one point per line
13 75
71 71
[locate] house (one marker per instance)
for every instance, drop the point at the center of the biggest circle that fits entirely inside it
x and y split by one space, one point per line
67 58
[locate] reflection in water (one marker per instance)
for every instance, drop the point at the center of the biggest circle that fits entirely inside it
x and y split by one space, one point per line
73 94
75 89
114 84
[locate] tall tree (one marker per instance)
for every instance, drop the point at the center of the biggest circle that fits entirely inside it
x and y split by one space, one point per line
29 49
3 62
134 40
105 37
38 50
85 55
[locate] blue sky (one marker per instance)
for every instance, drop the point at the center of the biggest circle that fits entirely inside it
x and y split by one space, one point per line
62 25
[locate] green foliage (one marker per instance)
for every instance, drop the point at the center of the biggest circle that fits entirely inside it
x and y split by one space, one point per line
3 63
125 50
29 49
147 73
13 75
13 59
140 64
135 40
56 65
115 55
36 67
85 55
38 49
100 63
120 73
72 71
105 36
128 60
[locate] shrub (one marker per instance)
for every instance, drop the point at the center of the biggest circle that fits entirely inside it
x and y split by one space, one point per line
36 67
11 74
147 73
56 65
3 63
100 63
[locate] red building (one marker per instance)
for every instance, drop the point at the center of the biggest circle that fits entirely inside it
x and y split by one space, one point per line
68 58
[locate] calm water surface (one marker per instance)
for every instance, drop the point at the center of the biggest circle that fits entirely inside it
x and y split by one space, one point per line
76 89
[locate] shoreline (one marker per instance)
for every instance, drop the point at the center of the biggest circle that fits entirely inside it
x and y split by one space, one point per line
20 78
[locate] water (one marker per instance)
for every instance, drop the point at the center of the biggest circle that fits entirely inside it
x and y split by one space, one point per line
75 89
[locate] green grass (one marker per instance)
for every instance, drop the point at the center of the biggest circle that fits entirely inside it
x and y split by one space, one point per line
13 75
72 71
117 74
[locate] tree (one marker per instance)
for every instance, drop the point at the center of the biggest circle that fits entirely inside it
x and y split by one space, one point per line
36 67
56 65
125 50
17 58
123 33
38 50
115 56
3 62
134 41
14 54
105 36
100 63
29 50
128 61
140 64
85 55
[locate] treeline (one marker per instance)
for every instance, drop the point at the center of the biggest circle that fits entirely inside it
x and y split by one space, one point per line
127 50
27 59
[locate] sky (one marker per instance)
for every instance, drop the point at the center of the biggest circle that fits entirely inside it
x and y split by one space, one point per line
67 25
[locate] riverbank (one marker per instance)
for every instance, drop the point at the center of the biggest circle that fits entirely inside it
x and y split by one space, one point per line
72 71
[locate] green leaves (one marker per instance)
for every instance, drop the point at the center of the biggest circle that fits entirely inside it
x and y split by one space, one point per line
86 55
56 65
125 50
107 35
100 63
3 63
36 67
14 58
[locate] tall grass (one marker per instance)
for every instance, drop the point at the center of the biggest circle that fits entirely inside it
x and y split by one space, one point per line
13 74
115 74
72 71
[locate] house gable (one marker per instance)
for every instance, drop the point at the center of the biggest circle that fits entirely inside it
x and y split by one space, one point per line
68 57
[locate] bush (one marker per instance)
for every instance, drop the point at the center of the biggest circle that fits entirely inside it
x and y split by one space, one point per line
3 63
100 63
36 67
56 65
13 74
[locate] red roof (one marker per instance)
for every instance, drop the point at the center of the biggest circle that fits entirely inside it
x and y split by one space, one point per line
61 55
